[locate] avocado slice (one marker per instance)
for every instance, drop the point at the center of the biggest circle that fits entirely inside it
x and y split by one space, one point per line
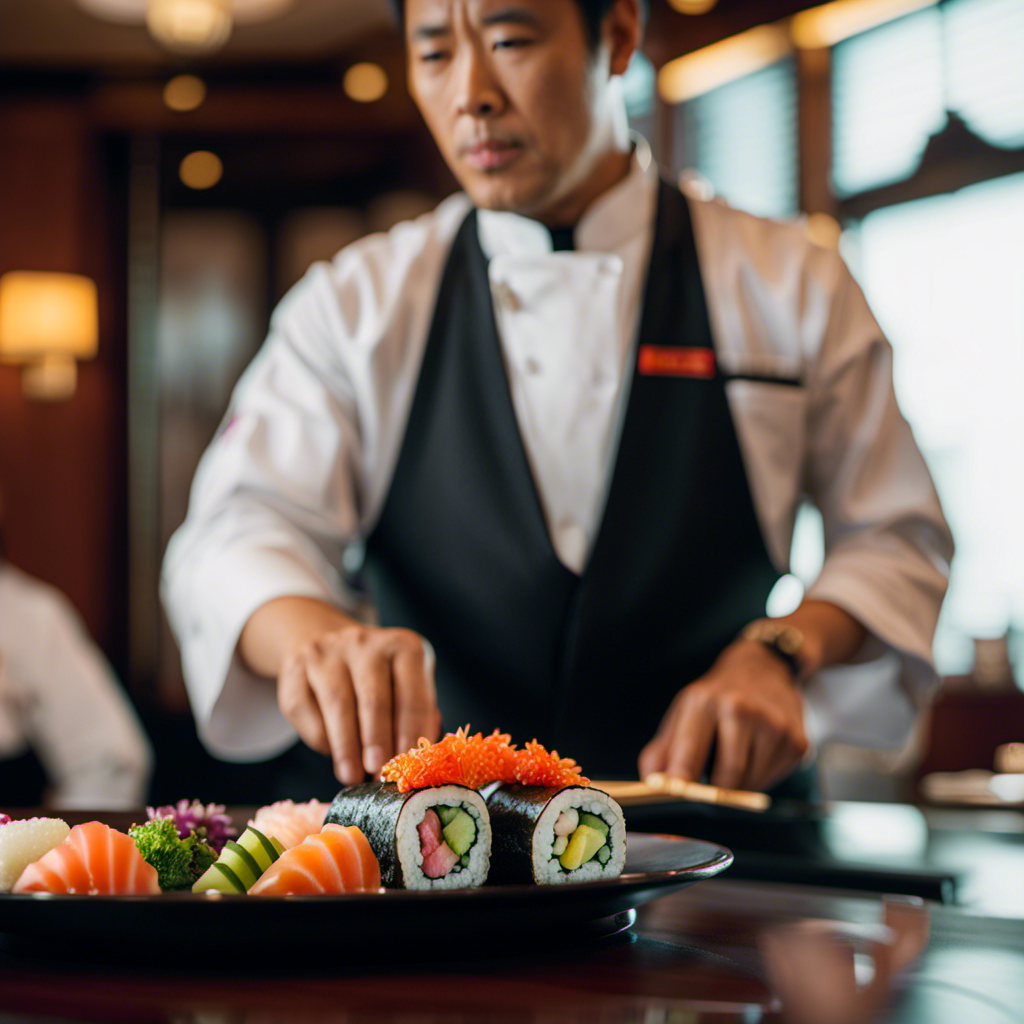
460 832
595 822
585 842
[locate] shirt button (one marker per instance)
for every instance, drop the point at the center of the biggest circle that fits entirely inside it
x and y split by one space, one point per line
531 366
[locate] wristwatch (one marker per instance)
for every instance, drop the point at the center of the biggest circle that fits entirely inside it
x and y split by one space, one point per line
782 639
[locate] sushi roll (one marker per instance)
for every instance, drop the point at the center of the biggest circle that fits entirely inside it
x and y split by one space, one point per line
436 837
554 834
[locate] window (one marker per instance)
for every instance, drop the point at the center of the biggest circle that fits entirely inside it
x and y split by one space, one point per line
943 276
743 138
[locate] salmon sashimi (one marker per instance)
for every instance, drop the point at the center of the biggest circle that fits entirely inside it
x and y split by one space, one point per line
336 860
95 860
290 822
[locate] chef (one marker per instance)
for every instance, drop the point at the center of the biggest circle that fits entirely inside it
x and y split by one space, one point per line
565 421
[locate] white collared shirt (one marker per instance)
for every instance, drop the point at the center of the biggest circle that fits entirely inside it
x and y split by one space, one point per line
304 462
567 322
59 697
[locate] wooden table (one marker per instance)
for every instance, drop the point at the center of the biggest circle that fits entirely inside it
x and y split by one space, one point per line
722 951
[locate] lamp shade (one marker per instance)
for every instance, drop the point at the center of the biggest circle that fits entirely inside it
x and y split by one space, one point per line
47 314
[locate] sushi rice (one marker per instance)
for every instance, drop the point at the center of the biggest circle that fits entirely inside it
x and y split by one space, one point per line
546 867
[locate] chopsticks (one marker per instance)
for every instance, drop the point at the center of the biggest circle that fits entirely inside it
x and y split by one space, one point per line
658 785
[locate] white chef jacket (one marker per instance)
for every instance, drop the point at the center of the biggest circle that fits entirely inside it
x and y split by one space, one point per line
59 697
303 463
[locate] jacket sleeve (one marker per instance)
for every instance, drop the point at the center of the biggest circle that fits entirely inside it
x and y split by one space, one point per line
781 307
887 545
298 468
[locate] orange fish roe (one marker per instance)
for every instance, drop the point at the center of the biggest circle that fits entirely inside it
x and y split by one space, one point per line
534 766
457 758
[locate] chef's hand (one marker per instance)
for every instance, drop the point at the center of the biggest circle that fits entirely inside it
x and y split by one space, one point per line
749 707
359 693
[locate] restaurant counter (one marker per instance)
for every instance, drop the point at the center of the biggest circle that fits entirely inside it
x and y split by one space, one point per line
724 950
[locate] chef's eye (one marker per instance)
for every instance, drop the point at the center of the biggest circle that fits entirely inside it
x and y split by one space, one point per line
515 43
433 56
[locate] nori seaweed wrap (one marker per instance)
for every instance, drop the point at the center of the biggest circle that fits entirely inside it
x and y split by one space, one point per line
447 852
550 835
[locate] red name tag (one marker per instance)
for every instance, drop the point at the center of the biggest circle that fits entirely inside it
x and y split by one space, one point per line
664 361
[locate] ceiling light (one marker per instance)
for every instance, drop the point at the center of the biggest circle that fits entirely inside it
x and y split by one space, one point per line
706 69
692 6
831 23
201 169
188 26
365 82
184 92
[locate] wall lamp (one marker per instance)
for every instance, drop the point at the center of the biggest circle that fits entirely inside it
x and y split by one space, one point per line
47 322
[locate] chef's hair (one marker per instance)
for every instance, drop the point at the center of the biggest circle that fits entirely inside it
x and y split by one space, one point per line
592 12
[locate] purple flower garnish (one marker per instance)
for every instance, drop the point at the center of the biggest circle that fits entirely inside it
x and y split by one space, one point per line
208 821
4 818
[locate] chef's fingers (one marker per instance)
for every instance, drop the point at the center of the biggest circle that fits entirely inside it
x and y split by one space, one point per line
735 738
416 712
299 706
774 754
370 664
692 736
331 682
654 757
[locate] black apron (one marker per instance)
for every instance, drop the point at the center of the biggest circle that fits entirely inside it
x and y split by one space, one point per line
461 553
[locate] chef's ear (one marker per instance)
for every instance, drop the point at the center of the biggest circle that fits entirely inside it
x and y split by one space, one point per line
621 32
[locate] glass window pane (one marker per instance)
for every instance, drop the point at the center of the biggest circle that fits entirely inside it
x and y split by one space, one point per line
743 138
985 48
943 276
887 99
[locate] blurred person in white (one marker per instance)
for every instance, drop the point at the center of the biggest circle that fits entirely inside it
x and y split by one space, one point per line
68 735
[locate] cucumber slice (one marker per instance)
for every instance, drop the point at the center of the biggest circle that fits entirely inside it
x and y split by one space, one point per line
464 860
460 832
247 866
604 854
219 877
595 822
262 849
446 813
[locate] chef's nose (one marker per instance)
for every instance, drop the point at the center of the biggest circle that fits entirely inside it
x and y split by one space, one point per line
478 91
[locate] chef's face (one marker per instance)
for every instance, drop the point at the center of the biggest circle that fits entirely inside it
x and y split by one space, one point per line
518 100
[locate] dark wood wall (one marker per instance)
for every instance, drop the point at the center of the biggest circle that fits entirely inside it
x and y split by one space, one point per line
61 463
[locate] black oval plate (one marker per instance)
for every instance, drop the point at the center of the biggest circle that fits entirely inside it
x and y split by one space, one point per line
187 925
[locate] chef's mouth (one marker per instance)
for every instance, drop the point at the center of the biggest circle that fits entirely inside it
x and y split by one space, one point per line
491 154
